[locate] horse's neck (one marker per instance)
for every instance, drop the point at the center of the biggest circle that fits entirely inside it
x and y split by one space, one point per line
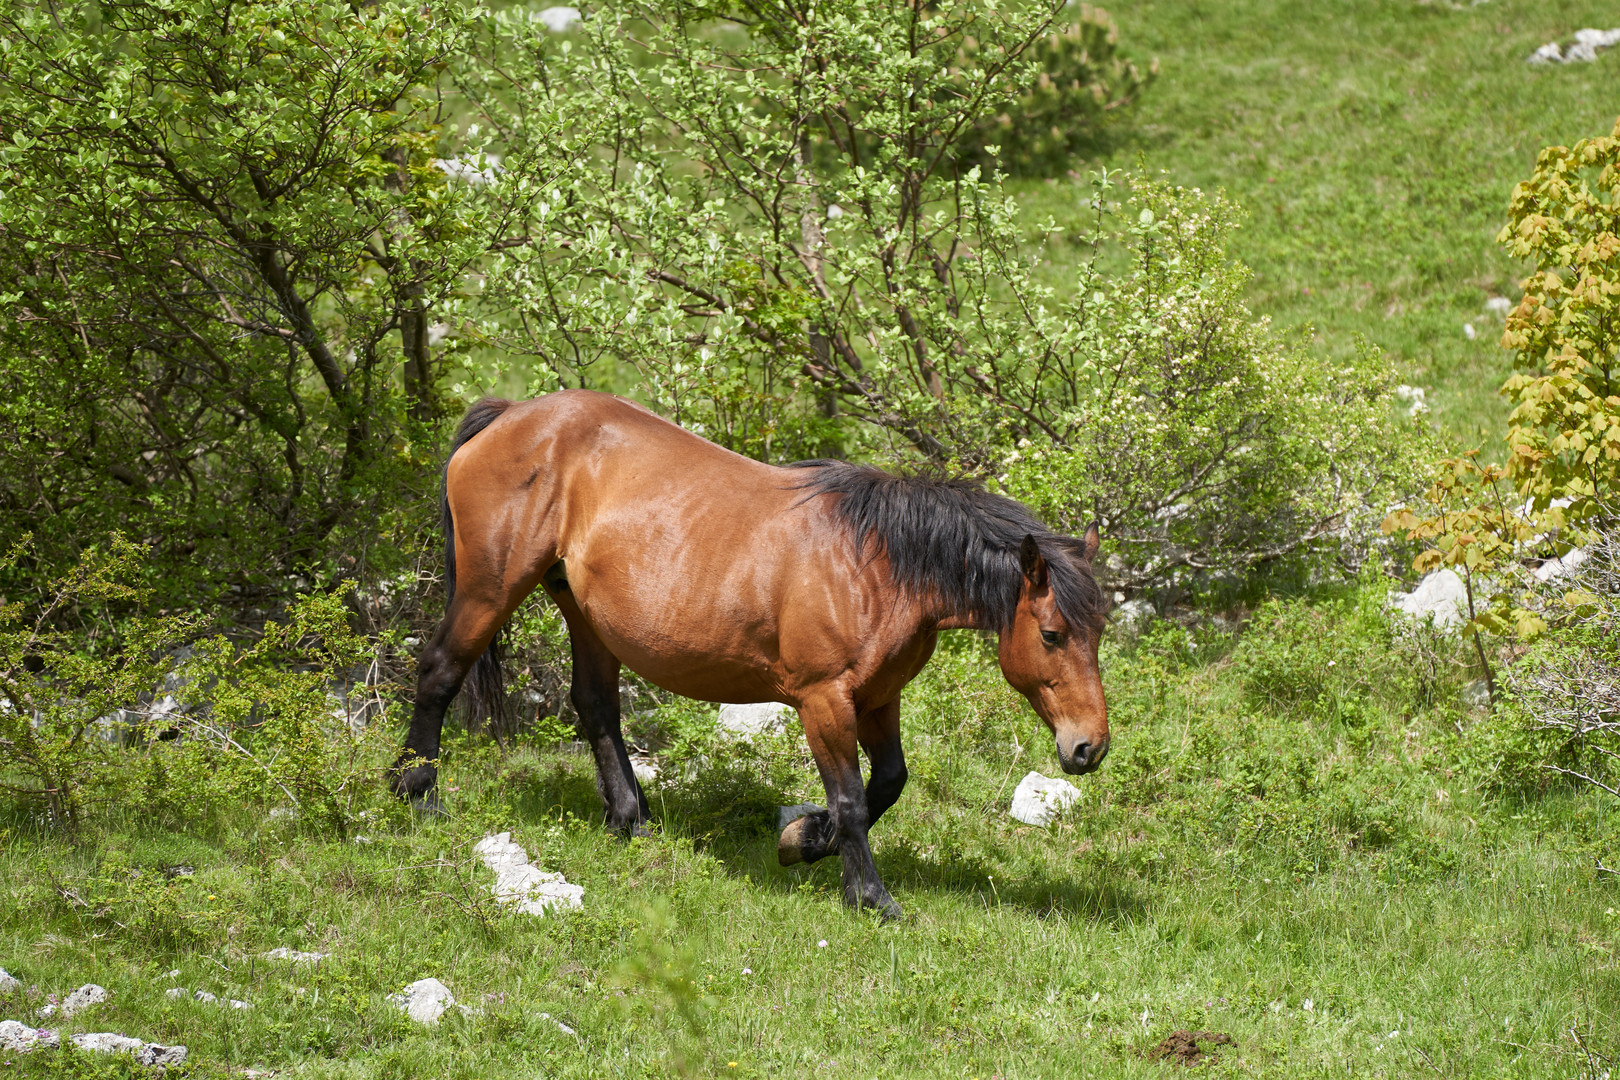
958 622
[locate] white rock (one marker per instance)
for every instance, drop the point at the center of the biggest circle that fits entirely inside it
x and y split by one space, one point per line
1549 53
763 718
425 1000
152 1055
294 955
559 20
1499 305
1440 596
646 770
468 172
205 997
175 993
83 998
1563 566
562 1027
521 885
1039 799
1132 615
8 983
18 1038
1599 39
1469 332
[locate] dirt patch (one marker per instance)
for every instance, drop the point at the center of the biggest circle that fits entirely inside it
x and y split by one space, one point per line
1183 1047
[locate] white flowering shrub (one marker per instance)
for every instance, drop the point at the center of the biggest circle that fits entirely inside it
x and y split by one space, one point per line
783 247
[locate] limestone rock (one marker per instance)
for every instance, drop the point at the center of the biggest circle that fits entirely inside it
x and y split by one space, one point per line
294 955
1039 799
144 1053
787 815
522 885
559 20
425 1000
1132 616
1440 596
83 998
763 718
17 1037
1563 566
8 983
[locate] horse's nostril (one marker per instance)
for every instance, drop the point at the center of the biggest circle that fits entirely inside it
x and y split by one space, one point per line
1081 754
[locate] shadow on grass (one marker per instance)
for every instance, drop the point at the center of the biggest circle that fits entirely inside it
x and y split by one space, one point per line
730 814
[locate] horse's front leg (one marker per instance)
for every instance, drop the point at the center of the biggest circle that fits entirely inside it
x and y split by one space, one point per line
830 728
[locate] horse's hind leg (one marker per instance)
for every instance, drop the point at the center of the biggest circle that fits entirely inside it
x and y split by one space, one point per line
474 617
595 694
830 726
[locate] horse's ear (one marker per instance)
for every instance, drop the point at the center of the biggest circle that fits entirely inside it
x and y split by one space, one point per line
1032 562
1091 542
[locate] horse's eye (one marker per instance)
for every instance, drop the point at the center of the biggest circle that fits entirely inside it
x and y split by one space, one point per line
1051 637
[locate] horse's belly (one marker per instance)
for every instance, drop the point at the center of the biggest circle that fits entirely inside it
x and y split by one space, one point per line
696 651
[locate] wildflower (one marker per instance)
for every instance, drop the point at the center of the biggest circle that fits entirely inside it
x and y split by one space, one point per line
822 944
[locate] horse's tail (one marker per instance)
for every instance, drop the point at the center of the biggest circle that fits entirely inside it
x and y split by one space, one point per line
485 686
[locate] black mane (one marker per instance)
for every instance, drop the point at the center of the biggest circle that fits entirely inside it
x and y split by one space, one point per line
954 540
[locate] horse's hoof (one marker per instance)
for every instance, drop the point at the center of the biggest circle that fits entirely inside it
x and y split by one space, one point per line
790 846
641 829
428 805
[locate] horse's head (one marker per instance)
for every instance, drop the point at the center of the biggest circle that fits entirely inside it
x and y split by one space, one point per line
1053 662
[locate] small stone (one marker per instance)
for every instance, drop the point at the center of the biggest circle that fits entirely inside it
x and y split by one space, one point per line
524 886
175 993
18 1038
1039 799
294 955
8 983
762 718
559 20
83 998
205 997
562 1027
1132 616
154 1055
425 1000
787 815
1549 53
233 1003
1469 332
1440 596
1563 566
646 770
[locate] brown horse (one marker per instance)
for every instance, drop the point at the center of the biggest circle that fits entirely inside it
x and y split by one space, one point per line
822 585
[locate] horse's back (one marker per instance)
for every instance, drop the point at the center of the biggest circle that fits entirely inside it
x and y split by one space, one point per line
683 556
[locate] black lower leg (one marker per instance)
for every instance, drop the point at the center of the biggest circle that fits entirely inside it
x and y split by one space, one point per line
595 694
415 773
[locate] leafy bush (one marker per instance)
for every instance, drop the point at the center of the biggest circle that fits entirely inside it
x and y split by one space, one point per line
1082 82
1563 439
138 718
1565 693
788 263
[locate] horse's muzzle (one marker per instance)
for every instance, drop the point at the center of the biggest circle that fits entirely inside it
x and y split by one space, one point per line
1082 757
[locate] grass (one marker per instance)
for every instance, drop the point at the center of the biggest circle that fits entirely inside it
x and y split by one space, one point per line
1374 146
1272 830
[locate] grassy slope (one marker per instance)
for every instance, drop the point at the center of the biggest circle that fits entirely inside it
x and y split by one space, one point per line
1268 830
1374 146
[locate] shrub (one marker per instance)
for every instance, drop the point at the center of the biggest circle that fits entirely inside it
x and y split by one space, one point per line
1082 82
1563 439
86 724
